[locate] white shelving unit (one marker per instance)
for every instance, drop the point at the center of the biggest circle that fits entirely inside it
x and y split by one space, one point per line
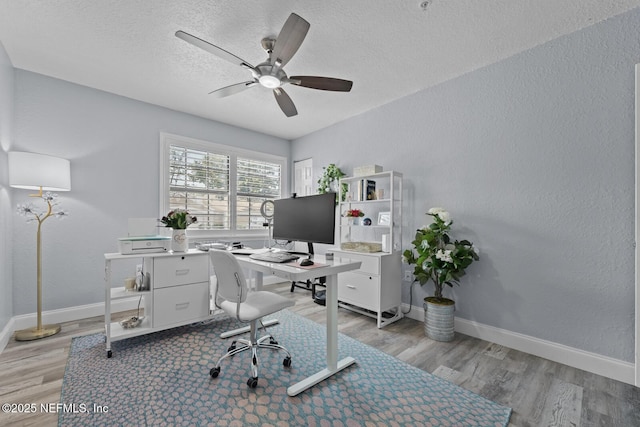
178 293
375 289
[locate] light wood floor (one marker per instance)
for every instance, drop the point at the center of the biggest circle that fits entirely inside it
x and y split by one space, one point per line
541 392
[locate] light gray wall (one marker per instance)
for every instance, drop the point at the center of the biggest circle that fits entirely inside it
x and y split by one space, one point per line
6 205
534 158
113 145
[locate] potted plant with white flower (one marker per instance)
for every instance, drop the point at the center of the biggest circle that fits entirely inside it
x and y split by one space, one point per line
179 220
442 261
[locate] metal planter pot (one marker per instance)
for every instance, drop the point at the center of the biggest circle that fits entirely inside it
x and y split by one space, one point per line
438 318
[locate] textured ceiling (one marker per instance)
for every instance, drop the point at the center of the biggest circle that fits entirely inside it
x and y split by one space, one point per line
388 48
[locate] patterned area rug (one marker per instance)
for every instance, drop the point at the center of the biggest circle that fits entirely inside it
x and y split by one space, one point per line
162 379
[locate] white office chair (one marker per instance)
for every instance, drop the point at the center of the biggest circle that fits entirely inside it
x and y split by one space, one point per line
232 295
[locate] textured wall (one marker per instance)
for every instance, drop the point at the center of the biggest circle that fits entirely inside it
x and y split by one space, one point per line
534 158
113 145
6 205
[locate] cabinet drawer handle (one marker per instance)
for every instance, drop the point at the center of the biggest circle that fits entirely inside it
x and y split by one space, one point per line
182 305
351 287
182 272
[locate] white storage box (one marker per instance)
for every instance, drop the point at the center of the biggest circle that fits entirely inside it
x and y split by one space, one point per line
366 170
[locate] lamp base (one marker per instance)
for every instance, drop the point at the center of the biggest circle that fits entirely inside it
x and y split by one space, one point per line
36 334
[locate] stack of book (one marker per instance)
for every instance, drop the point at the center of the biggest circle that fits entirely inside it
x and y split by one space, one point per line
366 190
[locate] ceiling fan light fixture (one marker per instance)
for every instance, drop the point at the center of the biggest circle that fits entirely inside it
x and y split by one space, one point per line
269 73
269 81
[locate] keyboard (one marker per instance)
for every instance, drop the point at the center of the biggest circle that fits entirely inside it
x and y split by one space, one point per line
278 257
248 251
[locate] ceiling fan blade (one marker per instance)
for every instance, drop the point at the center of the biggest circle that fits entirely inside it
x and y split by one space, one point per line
232 89
289 40
322 83
219 52
285 103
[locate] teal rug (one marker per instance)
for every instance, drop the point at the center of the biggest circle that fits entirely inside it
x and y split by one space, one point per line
162 379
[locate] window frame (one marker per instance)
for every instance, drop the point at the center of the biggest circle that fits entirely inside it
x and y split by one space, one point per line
167 139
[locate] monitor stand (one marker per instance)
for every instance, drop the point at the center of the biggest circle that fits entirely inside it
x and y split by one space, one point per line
309 252
319 297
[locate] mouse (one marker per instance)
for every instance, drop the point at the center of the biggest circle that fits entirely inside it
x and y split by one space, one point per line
306 262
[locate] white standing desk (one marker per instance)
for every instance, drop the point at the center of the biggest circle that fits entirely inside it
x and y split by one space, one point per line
330 270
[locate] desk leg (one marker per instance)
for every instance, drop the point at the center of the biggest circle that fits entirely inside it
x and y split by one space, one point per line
244 329
333 365
331 300
107 306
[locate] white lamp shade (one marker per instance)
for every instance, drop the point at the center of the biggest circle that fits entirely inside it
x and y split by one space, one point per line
34 171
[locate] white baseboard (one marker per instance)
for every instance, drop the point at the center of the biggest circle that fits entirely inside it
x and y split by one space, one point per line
70 314
591 362
74 313
6 333
609 367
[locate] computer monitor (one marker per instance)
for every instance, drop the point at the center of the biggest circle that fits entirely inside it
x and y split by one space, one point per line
310 219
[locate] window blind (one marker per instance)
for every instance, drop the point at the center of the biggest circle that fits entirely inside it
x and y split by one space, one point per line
257 181
225 190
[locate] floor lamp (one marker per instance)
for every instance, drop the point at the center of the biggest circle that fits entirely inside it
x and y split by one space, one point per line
43 173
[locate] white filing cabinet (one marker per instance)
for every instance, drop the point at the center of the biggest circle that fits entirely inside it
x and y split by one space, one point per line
180 287
374 287
178 292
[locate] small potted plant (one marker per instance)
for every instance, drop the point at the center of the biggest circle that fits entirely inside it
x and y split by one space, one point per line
353 215
328 182
442 261
179 220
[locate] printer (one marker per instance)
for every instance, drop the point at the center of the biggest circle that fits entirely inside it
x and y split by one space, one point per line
144 244
143 238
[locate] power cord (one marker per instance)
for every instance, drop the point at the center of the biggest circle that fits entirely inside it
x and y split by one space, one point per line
133 321
410 298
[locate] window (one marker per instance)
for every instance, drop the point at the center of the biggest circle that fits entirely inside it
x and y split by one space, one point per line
223 186
257 181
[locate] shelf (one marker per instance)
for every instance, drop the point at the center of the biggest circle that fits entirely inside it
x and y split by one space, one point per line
346 253
122 293
378 227
374 289
384 318
383 174
120 333
117 255
366 201
156 265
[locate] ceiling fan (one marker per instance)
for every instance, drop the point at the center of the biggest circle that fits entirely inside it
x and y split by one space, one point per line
270 73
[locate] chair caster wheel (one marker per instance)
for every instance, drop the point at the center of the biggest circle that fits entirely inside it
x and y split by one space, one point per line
214 372
252 382
286 362
109 354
